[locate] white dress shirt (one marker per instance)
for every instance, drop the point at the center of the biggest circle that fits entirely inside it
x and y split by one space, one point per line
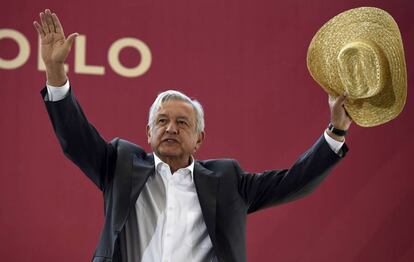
180 233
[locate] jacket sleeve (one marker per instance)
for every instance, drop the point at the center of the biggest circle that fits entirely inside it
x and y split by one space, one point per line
261 190
80 141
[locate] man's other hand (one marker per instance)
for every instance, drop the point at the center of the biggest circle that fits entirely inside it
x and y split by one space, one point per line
339 117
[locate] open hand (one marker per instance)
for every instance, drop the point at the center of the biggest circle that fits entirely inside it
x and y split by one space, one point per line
54 46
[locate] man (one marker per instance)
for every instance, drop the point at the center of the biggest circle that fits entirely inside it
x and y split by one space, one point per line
165 205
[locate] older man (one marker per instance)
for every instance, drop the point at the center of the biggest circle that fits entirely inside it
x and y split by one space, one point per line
165 205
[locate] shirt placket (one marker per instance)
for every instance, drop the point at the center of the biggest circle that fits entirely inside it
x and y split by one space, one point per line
170 218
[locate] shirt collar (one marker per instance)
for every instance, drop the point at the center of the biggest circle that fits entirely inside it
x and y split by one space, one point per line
190 167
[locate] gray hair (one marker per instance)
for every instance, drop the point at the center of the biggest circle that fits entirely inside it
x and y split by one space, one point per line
176 95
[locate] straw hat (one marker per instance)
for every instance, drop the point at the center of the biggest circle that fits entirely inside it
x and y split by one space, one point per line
360 51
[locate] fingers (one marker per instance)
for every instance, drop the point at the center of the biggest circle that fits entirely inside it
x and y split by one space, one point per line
49 21
58 25
44 23
348 116
39 29
70 39
48 25
338 101
341 99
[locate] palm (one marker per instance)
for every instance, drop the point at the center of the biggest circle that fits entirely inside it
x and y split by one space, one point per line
53 48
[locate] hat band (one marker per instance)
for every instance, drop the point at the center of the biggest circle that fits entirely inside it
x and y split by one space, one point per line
361 69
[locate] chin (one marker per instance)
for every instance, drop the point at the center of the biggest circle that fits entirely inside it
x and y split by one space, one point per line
168 153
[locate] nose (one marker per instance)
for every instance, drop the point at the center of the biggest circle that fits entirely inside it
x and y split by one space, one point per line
171 128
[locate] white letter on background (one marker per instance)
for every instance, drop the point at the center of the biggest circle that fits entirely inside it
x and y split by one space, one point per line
24 49
141 68
80 57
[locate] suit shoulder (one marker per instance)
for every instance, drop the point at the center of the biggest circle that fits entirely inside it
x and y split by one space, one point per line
219 162
125 146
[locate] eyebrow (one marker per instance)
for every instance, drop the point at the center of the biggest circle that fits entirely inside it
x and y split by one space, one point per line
184 117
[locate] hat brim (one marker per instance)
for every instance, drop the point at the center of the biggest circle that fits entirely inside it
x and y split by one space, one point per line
365 23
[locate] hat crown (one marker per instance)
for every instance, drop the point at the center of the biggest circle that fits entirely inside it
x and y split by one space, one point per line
361 68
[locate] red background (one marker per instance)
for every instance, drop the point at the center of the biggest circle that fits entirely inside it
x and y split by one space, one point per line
246 63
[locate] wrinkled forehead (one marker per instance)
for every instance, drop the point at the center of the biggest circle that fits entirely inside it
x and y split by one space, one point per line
176 108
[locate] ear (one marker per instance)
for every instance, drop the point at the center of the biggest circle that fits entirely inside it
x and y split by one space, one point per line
148 134
200 139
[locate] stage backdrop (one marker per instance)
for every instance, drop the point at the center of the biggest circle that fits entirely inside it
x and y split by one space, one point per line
246 63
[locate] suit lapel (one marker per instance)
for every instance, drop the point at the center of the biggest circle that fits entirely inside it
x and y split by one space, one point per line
142 169
206 184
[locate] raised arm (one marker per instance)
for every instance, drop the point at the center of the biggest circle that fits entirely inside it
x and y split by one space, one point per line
279 186
79 140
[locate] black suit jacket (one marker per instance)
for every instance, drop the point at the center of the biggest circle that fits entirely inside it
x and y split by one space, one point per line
226 193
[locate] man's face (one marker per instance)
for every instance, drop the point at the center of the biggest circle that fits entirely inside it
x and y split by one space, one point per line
173 135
